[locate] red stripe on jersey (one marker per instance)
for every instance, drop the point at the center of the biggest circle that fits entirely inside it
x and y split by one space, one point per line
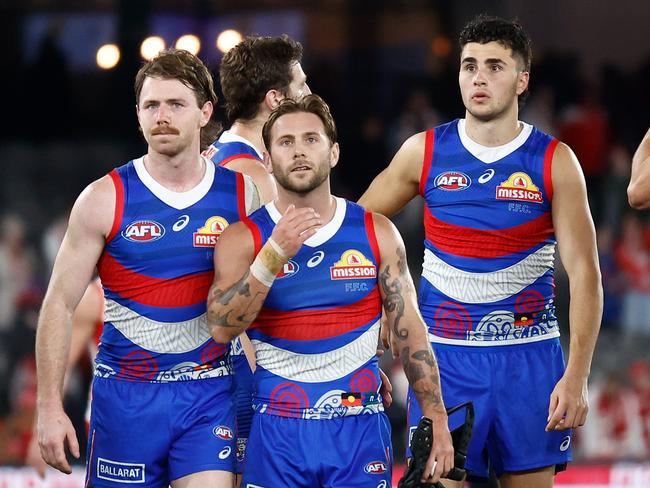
257 236
428 156
309 325
548 169
477 243
238 156
241 196
156 292
119 204
372 237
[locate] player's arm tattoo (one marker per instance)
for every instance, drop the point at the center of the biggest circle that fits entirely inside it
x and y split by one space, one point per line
234 306
421 370
394 301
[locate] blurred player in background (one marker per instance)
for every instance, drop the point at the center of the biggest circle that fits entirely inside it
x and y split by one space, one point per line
639 190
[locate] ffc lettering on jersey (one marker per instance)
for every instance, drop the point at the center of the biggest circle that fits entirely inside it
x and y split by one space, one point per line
207 235
143 231
452 181
519 186
353 264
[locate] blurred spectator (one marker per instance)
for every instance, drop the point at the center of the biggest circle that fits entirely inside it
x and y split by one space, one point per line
639 374
634 260
585 128
614 197
613 430
540 110
612 280
417 115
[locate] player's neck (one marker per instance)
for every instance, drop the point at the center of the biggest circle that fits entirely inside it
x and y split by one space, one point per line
494 132
251 130
320 199
178 173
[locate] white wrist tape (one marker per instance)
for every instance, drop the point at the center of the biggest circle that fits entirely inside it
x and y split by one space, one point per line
276 247
261 272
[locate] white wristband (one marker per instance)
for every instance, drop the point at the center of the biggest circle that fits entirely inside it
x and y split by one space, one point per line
259 270
276 247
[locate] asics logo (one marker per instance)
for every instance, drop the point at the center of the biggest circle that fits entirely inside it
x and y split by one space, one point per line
487 176
181 223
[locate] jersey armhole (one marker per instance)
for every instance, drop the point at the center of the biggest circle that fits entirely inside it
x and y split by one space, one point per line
372 237
241 195
428 157
548 168
119 205
255 232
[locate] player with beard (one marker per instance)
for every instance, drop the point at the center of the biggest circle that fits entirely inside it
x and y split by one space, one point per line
306 276
162 411
498 195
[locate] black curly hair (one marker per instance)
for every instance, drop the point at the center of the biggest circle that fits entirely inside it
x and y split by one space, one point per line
510 34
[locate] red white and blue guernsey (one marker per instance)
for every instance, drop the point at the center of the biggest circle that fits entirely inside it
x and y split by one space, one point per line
230 146
156 269
486 293
489 239
316 335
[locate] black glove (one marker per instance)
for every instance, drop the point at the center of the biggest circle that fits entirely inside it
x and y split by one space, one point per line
422 441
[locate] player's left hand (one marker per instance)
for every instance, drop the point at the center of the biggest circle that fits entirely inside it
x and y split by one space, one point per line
569 404
441 459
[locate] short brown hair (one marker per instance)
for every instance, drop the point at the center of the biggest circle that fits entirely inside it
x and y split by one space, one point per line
252 68
312 104
183 66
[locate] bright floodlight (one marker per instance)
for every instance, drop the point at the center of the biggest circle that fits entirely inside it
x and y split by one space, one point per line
108 56
151 46
228 39
189 42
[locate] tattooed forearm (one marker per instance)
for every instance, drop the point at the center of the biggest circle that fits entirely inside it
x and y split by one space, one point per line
223 304
394 302
421 371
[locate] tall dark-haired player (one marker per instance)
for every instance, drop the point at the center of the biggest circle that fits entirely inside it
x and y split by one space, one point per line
498 196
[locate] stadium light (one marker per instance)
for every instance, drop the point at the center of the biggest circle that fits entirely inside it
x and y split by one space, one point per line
190 43
151 46
228 39
108 56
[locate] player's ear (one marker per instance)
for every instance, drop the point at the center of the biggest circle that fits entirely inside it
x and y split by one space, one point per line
267 162
334 154
272 99
522 82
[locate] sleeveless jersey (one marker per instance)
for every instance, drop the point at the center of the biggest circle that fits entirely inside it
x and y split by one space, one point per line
487 275
316 335
156 269
229 147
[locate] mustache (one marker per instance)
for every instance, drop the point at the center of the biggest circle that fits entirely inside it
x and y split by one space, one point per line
164 129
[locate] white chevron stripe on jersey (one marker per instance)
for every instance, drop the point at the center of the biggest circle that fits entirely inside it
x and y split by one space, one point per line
160 337
468 287
320 367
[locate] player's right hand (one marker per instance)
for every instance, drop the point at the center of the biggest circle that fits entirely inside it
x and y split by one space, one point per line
54 430
295 227
441 459
33 457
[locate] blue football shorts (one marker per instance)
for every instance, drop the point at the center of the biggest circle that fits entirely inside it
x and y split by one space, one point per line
510 387
344 452
148 434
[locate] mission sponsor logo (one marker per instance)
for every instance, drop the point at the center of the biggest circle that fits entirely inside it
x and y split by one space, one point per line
207 235
353 265
452 181
143 231
519 186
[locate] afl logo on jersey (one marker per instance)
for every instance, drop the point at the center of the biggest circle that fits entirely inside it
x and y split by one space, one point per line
289 269
207 235
223 432
519 186
375 467
452 181
143 231
353 264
